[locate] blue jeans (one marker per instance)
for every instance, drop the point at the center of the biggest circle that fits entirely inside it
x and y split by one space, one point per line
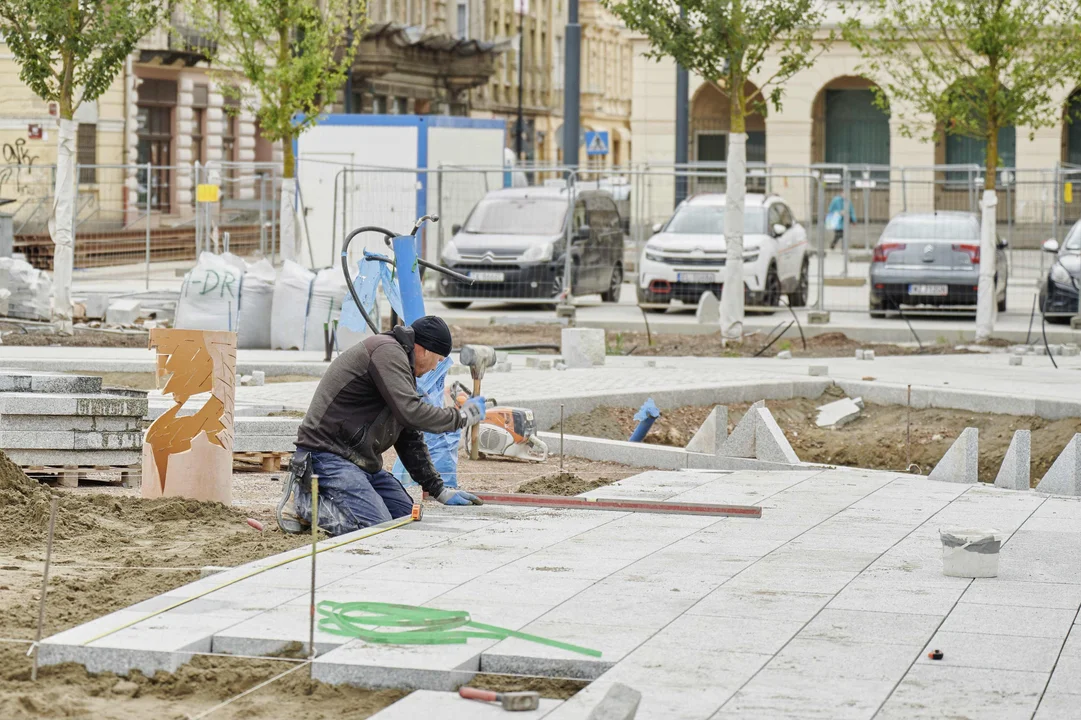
350 498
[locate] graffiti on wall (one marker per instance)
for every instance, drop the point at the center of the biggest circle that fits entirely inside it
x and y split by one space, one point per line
19 175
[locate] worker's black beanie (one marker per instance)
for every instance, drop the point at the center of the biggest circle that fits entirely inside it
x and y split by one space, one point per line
432 334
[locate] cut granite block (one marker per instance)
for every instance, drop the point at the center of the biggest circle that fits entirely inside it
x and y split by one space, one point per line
83 423
46 404
770 444
409 667
710 437
1015 471
50 383
740 443
70 440
82 458
1064 476
960 463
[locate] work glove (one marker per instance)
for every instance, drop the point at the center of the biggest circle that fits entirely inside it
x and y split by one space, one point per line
451 496
473 411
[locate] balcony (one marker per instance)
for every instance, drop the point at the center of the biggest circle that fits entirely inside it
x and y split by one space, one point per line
176 42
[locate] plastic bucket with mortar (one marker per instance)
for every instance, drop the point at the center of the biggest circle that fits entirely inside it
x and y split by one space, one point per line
970 552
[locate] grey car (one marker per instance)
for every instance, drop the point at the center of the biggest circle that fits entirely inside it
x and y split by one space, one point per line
929 261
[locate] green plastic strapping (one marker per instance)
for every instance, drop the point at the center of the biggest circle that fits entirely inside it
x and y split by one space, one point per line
418 626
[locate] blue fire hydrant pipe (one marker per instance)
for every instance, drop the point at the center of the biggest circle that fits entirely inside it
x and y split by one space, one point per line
646 416
405 261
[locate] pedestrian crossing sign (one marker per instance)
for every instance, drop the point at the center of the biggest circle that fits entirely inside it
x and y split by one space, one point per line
597 142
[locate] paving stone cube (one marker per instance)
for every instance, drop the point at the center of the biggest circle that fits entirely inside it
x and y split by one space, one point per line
123 312
784 355
1015 360
818 370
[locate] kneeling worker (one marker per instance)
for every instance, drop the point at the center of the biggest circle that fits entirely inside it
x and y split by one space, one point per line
367 402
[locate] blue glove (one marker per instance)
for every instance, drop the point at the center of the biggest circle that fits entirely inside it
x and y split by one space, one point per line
451 496
473 411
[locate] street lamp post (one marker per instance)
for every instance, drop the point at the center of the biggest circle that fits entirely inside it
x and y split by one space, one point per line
571 87
519 145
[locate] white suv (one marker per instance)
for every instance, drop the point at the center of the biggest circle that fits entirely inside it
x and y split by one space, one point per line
685 257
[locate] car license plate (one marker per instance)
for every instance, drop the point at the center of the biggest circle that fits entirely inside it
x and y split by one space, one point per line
932 290
484 276
695 277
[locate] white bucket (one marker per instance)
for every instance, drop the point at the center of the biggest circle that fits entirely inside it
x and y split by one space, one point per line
970 552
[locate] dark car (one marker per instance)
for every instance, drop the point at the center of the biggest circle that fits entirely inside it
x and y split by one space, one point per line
1059 292
931 260
513 246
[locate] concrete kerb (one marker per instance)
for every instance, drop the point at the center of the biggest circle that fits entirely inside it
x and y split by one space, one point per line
1015 473
660 457
1064 475
960 464
952 399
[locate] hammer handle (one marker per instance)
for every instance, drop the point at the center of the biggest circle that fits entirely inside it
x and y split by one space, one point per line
474 439
475 694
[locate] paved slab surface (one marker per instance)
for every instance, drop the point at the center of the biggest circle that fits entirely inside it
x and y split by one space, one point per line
825 607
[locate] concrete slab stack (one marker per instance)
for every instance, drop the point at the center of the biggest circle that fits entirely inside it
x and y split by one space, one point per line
53 420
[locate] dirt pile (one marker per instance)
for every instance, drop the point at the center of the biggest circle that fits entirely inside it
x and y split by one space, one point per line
877 440
562 484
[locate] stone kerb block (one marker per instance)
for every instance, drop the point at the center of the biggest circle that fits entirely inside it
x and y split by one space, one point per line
583 347
1015 473
711 435
770 444
741 442
123 312
709 309
50 383
1064 476
960 463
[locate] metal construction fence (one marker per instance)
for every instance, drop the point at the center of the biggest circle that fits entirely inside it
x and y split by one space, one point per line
515 245
142 214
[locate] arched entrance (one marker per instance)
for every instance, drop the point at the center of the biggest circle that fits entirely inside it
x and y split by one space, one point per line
710 126
849 128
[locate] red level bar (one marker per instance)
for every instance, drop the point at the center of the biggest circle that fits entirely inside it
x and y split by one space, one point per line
647 506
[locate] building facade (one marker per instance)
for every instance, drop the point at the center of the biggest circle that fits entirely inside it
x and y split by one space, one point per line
829 116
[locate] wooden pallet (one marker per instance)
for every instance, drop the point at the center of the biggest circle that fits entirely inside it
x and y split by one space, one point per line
72 475
266 461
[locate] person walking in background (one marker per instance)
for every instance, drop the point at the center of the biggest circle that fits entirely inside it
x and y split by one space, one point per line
835 218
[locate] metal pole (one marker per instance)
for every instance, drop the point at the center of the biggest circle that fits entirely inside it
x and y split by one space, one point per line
519 140
571 88
315 542
439 211
148 172
44 586
561 439
682 125
904 191
262 214
846 235
273 218
821 243
867 209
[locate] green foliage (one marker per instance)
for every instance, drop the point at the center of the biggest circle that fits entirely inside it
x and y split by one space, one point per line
968 67
726 41
294 53
64 46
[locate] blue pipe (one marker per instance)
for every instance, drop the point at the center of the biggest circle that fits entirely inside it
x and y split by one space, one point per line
646 416
405 261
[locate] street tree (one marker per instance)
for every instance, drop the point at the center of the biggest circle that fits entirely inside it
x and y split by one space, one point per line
294 56
731 44
969 68
69 52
